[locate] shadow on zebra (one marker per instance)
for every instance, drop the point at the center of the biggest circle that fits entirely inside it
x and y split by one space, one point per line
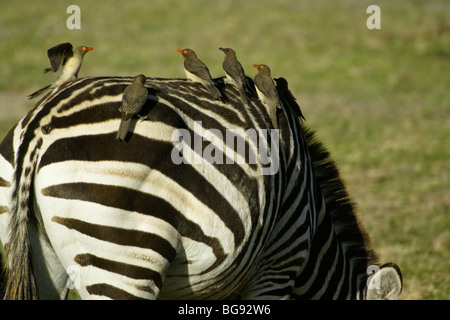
186 208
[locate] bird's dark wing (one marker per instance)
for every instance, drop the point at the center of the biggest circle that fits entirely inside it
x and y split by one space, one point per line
235 70
198 68
133 100
59 54
265 85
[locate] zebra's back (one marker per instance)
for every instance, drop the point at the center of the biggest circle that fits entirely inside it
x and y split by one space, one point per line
188 222
204 199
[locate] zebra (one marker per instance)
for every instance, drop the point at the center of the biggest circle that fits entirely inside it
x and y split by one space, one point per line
121 220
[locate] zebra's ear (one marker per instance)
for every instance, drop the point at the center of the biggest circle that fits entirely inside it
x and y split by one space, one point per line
385 284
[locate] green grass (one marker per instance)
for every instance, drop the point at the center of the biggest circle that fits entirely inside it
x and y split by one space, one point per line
379 99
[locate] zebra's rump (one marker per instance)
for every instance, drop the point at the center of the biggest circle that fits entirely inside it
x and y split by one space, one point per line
197 214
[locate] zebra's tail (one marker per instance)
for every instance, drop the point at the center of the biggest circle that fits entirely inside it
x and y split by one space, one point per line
20 283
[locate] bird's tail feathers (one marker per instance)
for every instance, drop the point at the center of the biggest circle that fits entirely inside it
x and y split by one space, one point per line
244 96
123 129
215 91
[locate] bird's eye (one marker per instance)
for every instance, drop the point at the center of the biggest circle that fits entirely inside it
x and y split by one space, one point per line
185 51
84 48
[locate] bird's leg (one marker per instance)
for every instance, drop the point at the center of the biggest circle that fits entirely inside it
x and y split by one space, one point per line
143 118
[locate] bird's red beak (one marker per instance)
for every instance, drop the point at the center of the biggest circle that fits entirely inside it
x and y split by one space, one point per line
180 51
256 66
89 49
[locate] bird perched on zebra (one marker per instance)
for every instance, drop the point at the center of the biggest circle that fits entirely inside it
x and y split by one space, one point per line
234 72
267 93
63 56
133 98
197 71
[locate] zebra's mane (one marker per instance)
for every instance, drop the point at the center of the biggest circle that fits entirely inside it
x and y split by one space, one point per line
350 233
347 226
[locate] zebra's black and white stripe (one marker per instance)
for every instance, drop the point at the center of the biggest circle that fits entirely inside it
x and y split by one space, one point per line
124 221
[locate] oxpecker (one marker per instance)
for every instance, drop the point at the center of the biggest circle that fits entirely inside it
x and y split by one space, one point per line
63 57
197 71
133 98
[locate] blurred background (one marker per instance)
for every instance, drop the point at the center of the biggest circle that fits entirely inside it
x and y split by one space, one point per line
378 99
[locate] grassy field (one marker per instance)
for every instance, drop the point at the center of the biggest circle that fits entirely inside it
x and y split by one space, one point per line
379 99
